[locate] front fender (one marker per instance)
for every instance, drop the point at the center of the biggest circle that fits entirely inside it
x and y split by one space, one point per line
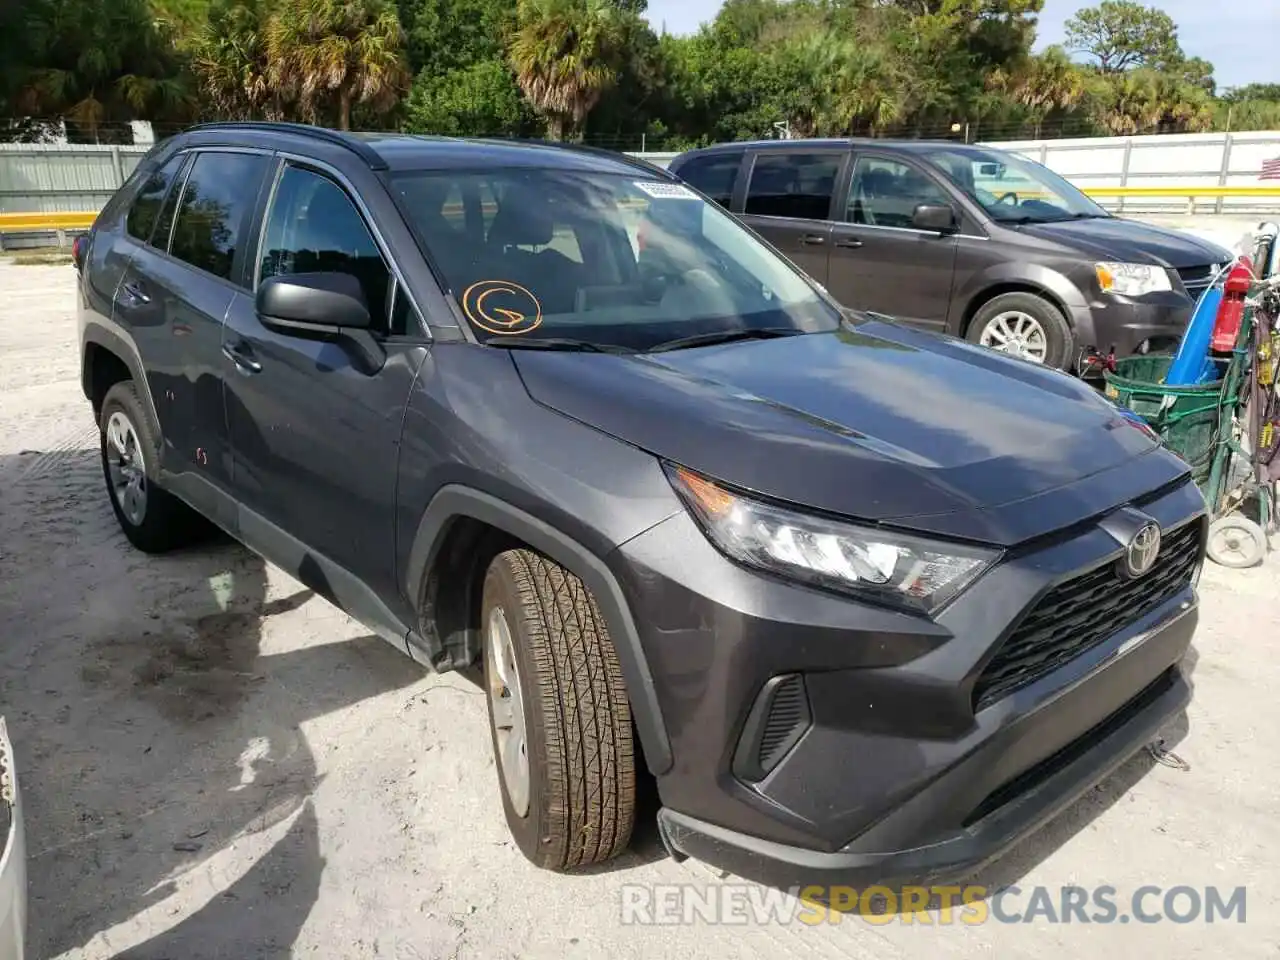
1028 276
454 501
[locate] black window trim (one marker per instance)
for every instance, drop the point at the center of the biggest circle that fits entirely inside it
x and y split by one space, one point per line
340 180
958 201
233 281
842 177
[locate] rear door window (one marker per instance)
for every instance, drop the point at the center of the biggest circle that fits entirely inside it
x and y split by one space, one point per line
714 174
793 184
142 216
215 209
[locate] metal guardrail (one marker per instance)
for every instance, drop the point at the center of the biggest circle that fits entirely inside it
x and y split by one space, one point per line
61 223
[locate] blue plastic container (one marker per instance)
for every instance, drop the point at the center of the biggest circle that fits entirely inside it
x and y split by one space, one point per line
1191 363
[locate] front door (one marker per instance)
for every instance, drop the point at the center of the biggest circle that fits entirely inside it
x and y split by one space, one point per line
879 260
788 201
314 429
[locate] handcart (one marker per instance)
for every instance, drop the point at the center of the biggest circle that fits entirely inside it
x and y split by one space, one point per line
1227 429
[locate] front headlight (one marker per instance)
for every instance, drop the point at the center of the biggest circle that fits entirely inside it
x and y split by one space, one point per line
897 569
1132 279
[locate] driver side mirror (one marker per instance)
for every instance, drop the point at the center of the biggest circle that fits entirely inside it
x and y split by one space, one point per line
321 306
935 217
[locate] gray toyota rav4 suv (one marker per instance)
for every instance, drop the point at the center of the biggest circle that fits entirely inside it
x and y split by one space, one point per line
973 241
864 601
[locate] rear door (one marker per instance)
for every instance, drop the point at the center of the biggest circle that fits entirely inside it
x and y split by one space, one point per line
789 199
879 260
176 294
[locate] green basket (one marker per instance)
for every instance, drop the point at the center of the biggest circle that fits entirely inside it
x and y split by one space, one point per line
1186 418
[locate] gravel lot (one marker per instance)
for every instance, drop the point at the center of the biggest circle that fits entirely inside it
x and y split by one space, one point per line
217 764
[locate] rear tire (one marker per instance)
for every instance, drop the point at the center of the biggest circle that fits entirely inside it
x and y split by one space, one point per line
1023 324
152 519
558 710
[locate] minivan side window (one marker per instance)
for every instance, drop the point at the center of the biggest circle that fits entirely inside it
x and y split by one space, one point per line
142 216
714 174
216 205
793 184
885 193
313 227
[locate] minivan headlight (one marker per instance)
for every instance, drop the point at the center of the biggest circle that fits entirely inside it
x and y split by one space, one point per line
1132 279
885 567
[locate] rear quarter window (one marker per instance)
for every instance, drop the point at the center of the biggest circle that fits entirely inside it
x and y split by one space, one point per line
143 214
714 174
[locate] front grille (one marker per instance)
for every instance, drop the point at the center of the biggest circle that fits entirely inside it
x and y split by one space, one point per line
1197 279
1081 613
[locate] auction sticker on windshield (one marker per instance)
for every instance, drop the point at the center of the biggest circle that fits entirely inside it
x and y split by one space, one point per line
666 191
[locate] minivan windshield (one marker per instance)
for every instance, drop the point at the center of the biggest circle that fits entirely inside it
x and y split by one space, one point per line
557 258
1013 189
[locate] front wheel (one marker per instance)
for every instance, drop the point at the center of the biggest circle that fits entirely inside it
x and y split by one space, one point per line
558 713
1023 325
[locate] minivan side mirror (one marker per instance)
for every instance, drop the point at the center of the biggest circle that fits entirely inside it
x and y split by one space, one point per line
321 306
939 217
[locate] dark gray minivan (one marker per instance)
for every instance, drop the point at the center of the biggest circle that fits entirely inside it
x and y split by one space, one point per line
967 240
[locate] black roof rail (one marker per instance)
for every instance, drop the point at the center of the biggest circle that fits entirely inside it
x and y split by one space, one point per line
357 146
639 164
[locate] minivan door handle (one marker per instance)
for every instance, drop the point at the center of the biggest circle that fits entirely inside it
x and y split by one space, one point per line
813 239
849 243
242 357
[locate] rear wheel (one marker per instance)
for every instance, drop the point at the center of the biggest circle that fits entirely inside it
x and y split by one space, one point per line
152 519
1023 325
558 712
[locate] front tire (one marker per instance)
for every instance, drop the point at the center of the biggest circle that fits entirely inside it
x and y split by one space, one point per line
1023 325
558 714
152 519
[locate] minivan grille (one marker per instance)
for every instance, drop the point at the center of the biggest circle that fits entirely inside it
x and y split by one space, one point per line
1197 279
1083 612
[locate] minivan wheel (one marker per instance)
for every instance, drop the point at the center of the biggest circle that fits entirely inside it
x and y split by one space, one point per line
558 714
152 519
1023 325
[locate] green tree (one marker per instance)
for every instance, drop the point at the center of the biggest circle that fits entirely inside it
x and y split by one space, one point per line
328 56
444 35
566 54
231 62
1043 85
474 101
1121 34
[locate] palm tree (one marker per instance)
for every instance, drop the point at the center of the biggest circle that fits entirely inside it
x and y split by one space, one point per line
566 54
231 62
1043 84
328 54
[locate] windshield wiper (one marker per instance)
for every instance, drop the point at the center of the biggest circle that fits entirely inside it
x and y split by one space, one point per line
724 336
552 343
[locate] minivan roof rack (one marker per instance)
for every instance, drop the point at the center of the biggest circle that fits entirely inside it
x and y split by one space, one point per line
357 146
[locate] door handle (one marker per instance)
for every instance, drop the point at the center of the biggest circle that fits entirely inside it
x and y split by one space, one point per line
849 243
813 239
239 355
136 291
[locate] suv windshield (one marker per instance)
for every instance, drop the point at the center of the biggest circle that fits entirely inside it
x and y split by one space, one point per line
1012 189
558 257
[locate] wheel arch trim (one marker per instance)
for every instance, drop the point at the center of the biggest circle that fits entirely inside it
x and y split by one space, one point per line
455 501
103 338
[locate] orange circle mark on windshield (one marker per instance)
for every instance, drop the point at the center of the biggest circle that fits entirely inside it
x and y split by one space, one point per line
502 307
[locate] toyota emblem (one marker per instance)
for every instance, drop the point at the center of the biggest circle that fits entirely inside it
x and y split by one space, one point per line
1143 549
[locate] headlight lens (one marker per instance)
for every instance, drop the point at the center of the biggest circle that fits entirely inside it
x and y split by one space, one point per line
892 568
1132 279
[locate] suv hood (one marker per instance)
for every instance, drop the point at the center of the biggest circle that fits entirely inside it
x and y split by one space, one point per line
1128 241
878 423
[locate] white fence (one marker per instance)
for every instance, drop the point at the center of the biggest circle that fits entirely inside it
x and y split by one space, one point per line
73 178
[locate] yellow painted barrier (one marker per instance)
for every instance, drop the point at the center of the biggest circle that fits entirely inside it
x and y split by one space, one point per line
34 222
1214 192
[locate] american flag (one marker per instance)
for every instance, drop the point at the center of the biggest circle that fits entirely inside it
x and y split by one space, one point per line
1270 170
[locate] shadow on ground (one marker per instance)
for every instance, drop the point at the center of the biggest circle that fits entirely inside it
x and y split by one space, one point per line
156 737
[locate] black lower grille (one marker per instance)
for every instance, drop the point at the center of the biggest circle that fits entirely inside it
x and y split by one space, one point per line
1083 612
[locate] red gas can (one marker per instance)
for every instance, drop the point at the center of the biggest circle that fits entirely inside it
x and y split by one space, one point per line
1226 326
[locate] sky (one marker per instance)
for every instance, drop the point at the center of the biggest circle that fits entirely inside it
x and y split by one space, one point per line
1244 47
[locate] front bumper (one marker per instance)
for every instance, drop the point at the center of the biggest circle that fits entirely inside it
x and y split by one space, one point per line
13 861
895 773
1125 323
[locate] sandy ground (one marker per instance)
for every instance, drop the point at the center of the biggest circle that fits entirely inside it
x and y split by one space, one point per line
218 765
